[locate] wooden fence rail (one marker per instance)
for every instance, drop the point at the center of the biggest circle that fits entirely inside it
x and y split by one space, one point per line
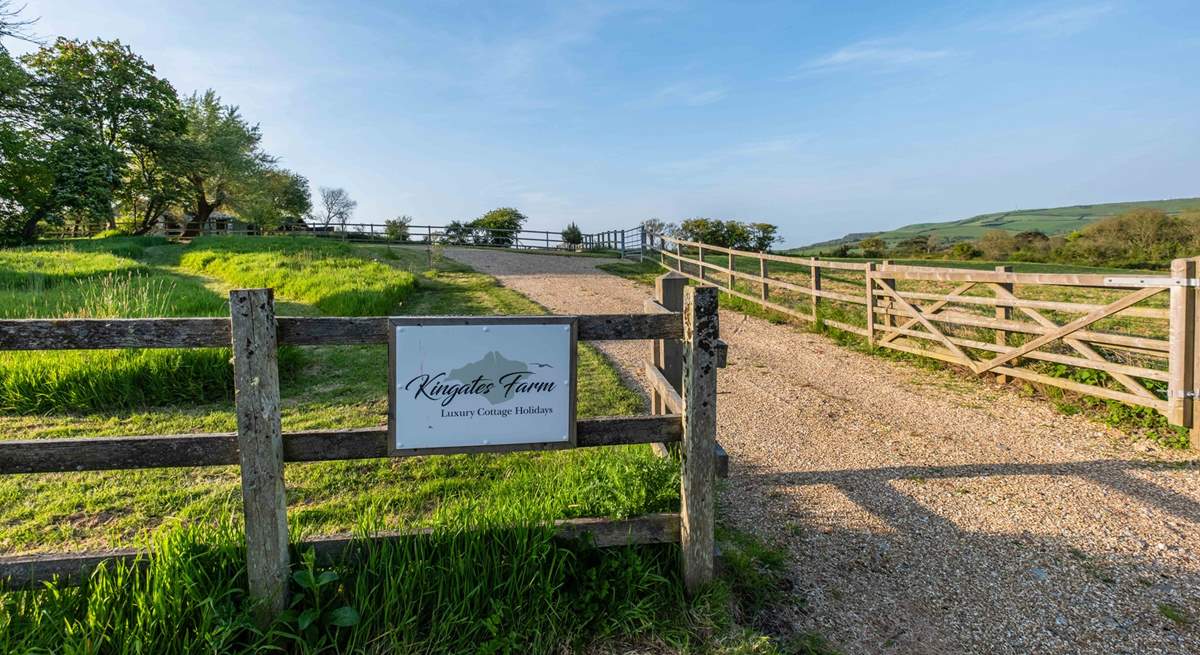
1139 345
260 447
626 242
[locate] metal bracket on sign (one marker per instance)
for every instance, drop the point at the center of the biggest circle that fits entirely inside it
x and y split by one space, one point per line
1152 282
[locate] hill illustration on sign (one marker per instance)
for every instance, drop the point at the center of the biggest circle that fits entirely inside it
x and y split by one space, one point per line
509 376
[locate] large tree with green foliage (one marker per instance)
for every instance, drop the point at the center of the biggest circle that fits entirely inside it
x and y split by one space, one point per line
223 157
51 164
276 198
104 106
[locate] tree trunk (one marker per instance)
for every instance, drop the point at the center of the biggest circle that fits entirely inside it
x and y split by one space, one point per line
29 229
204 210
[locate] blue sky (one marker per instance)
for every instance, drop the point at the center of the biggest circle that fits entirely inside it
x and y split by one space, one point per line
821 117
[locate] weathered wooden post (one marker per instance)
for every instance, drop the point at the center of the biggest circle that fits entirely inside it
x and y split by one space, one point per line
815 286
698 480
260 446
729 261
765 291
1181 384
668 291
1003 313
700 258
887 303
869 276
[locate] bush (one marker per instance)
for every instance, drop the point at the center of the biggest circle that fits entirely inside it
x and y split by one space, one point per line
872 247
1140 237
572 235
964 250
397 228
498 227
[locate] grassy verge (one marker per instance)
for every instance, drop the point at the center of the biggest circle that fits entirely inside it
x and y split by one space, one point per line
86 280
489 579
329 276
1136 420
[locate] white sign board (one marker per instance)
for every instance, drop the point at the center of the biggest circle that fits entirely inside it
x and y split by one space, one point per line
464 384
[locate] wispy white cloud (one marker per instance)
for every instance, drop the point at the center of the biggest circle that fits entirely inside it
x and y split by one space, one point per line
742 154
690 94
1057 21
878 54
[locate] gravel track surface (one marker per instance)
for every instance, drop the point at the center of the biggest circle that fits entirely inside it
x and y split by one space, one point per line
925 512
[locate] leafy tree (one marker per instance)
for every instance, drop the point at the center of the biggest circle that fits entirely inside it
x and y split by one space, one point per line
102 96
996 244
729 233
223 156
572 235
336 207
457 233
51 164
763 236
654 226
872 247
703 230
275 199
498 227
917 245
397 228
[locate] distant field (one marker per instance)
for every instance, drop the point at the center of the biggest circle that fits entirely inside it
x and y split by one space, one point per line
1057 220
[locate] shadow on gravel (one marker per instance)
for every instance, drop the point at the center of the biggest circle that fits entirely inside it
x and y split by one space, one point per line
1114 474
913 574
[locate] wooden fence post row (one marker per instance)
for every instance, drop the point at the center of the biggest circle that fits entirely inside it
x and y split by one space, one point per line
689 365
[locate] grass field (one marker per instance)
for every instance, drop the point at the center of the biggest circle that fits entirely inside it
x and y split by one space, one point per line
424 595
1057 220
1135 419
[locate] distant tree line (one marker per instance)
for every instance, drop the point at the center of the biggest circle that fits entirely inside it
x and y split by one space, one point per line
724 233
1138 238
498 227
92 138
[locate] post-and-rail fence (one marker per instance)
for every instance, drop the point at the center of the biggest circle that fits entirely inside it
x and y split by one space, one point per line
1131 338
625 243
260 446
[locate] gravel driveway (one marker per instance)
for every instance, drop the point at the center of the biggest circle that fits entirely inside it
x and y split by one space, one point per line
924 512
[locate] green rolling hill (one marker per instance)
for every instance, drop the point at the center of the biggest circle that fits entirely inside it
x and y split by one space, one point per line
1057 220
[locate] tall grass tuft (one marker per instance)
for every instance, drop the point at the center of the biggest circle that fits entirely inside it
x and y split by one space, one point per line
333 277
64 283
478 586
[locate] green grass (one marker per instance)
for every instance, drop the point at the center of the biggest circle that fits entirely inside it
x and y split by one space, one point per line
1057 220
331 277
489 579
68 282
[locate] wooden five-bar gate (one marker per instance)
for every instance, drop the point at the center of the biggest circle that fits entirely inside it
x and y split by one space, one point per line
260 446
1124 337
